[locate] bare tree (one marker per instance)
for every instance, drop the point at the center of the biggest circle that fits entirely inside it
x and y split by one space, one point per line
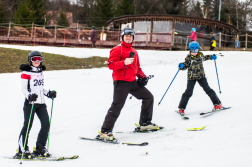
10 6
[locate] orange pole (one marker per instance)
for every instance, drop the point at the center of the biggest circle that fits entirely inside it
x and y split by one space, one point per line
34 36
64 37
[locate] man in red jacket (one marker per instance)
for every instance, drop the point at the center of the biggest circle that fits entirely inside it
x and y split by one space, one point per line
125 71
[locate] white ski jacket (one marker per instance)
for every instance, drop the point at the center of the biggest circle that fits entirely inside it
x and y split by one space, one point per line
32 81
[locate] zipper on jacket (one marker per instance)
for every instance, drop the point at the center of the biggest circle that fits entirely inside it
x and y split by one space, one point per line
125 70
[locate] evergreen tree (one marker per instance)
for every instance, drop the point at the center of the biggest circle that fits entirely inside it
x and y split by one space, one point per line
39 11
149 7
126 7
103 11
196 10
83 12
3 14
23 13
175 6
62 20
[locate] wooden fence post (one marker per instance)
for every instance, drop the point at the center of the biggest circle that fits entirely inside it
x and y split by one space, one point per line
147 37
55 33
172 35
246 42
102 35
32 32
9 30
219 40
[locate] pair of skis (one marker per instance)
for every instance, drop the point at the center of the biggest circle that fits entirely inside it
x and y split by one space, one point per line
204 113
47 158
137 130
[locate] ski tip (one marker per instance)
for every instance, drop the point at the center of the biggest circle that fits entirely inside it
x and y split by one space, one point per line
202 113
161 127
74 157
136 124
144 144
195 129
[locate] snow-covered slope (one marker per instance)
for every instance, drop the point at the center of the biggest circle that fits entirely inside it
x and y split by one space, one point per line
84 97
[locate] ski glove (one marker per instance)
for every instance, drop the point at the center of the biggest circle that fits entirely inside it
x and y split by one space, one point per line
52 94
32 97
142 81
181 65
213 57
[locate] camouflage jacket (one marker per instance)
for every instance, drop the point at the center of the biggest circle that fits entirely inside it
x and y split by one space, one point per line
195 66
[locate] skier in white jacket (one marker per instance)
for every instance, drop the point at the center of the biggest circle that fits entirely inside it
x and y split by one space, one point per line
32 86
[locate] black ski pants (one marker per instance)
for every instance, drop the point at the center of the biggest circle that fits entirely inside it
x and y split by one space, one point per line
41 111
211 48
189 91
121 91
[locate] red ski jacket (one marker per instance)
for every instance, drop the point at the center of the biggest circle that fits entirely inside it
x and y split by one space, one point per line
193 36
116 63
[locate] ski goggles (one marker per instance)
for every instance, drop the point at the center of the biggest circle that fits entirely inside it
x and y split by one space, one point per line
194 50
36 58
128 32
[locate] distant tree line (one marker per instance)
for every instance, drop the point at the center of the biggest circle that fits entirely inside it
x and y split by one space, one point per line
98 12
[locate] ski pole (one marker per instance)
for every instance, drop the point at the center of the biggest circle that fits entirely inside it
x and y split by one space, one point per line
217 75
50 126
27 133
168 87
149 77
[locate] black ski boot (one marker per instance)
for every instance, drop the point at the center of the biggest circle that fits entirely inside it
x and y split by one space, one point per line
27 154
41 151
147 126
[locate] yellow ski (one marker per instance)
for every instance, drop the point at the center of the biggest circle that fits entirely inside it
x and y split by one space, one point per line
195 129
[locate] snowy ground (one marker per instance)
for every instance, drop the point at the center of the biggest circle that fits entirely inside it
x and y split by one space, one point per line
84 97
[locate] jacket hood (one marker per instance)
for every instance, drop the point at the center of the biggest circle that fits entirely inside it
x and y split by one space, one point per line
27 67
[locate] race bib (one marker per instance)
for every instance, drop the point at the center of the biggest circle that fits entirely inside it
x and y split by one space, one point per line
37 82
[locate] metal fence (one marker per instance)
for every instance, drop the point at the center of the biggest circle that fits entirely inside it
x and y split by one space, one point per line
32 34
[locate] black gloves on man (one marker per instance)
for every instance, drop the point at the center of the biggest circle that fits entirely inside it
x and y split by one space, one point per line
142 81
52 94
32 97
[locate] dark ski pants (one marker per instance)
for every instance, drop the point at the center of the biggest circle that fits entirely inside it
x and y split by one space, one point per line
211 48
189 91
93 44
41 111
121 91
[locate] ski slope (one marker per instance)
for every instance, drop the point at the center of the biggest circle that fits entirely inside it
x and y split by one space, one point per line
84 96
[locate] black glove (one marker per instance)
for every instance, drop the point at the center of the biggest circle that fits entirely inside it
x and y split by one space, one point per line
142 81
32 97
52 94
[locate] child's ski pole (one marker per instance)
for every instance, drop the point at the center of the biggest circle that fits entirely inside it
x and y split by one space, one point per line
50 126
168 87
217 75
27 133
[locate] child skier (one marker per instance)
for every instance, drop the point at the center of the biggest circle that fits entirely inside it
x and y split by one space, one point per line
193 62
193 35
32 86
